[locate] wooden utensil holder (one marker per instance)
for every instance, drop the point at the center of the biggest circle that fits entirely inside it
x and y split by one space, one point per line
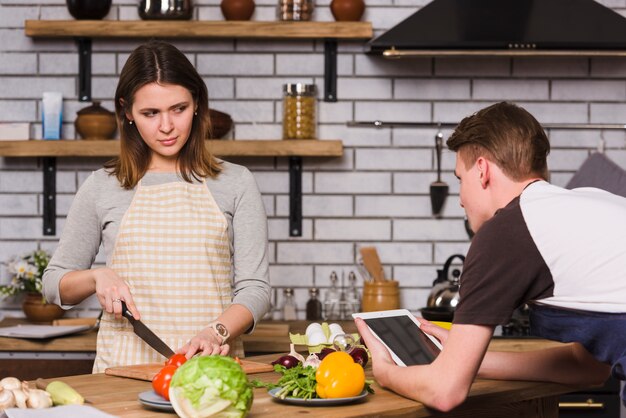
380 296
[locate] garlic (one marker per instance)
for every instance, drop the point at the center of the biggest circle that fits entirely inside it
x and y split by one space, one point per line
38 399
295 354
7 400
11 383
312 360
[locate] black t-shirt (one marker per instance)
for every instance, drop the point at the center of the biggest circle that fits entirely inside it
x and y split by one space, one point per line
564 248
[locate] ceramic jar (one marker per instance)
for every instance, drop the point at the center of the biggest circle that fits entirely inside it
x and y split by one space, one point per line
88 9
237 9
347 10
37 309
95 122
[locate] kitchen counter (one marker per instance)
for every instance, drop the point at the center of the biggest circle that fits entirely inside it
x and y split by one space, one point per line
487 398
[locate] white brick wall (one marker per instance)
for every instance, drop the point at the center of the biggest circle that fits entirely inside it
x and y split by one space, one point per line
376 194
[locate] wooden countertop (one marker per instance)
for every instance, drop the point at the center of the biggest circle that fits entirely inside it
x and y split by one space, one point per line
487 398
270 337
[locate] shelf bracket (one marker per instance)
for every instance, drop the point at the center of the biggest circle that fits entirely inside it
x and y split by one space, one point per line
295 196
330 70
84 69
49 195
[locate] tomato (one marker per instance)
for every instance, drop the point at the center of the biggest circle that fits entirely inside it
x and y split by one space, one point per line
161 381
176 360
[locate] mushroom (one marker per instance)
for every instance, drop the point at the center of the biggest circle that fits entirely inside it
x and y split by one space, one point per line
11 383
7 400
20 398
38 399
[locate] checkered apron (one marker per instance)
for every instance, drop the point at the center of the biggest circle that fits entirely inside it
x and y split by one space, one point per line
173 251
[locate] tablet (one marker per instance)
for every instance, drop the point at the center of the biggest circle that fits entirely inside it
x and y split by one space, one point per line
400 332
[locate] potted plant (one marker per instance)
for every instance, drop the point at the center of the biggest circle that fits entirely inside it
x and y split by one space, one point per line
26 277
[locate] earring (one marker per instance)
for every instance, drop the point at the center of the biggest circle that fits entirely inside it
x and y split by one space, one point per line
130 122
195 113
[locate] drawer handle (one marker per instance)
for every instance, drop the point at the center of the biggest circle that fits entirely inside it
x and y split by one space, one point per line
589 404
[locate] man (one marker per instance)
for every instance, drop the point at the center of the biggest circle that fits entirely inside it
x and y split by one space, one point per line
561 251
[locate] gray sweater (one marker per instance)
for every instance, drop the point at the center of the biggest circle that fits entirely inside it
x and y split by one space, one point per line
101 202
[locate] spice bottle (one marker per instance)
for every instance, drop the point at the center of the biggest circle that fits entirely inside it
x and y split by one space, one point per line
353 300
314 306
289 305
299 109
332 301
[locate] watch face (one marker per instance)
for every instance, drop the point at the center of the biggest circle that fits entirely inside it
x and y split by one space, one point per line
221 330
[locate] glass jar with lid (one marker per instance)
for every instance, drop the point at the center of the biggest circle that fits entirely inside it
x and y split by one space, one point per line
295 10
299 111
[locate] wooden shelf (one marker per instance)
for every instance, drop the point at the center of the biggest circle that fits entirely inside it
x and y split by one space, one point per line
197 29
220 148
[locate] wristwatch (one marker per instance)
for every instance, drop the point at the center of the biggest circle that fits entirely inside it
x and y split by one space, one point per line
221 331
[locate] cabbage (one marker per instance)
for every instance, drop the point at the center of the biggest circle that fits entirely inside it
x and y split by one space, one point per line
211 386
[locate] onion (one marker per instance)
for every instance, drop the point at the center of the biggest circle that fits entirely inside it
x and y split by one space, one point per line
287 361
359 355
325 351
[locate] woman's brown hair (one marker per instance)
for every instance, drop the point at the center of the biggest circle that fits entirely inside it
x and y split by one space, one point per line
161 62
507 135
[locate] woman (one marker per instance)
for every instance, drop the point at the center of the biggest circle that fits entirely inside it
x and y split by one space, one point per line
185 235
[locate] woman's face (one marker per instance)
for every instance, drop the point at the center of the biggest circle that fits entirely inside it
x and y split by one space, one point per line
163 115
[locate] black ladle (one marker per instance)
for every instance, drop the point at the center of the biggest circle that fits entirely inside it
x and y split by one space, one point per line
438 189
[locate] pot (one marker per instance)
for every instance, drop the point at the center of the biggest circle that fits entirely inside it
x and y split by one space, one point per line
165 9
88 9
95 122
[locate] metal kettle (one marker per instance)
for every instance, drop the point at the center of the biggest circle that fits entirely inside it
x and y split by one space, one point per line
445 291
165 9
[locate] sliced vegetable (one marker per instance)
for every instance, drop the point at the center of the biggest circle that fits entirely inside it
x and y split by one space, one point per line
161 381
338 376
211 386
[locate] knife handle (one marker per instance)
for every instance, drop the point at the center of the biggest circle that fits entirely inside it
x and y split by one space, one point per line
126 312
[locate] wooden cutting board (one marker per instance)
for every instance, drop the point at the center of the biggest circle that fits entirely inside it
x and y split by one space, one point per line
147 371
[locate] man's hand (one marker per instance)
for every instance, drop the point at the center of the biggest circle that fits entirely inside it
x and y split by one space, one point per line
382 363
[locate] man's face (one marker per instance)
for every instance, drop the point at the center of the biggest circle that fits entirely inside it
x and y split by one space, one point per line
473 196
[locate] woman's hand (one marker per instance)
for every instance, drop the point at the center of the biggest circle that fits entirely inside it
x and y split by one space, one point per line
206 343
111 290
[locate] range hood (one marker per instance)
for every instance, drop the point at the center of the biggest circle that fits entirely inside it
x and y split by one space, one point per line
506 27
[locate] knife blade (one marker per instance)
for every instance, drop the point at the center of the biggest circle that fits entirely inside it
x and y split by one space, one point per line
146 334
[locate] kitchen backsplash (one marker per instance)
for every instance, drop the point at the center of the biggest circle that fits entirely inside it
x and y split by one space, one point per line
376 194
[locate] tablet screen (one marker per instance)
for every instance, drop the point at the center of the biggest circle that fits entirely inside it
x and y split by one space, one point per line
405 339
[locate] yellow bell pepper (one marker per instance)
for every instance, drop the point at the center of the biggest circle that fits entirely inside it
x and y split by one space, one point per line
338 376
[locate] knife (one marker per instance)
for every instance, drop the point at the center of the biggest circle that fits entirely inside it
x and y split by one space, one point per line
146 334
